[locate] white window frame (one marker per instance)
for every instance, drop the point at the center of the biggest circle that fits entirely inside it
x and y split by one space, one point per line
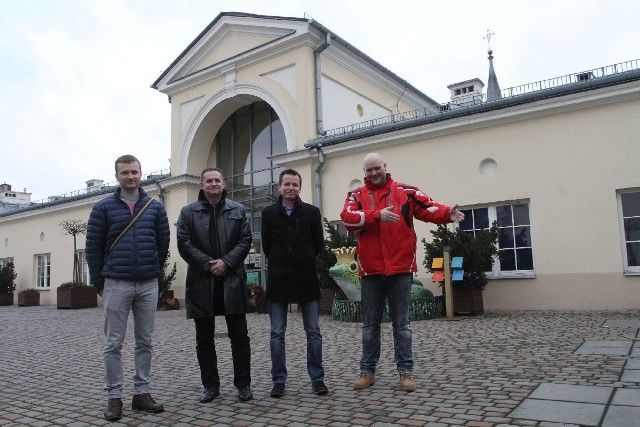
42 267
632 270
84 267
6 261
496 272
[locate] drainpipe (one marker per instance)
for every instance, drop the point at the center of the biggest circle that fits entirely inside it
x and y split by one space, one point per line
317 52
319 120
318 182
160 192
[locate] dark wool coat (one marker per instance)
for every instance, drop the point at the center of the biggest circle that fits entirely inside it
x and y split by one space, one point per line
141 252
235 238
291 244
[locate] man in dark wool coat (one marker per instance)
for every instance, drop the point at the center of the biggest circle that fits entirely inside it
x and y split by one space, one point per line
291 240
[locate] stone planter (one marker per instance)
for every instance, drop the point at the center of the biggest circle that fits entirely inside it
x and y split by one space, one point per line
80 297
467 301
168 302
421 308
28 299
6 298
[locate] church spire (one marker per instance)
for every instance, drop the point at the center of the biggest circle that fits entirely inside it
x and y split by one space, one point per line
493 88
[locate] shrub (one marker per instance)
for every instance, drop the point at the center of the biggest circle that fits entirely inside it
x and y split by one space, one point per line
28 291
478 252
8 277
72 285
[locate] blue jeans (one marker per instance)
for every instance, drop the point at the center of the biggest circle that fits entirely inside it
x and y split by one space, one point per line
120 297
397 290
310 317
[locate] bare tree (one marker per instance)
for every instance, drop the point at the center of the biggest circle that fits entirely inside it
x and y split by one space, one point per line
75 227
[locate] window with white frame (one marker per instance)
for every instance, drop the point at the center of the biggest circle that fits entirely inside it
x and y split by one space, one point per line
515 248
629 207
43 271
5 261
84 267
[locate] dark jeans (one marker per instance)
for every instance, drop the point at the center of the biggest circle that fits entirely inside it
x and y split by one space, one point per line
397 290
310 321
240 350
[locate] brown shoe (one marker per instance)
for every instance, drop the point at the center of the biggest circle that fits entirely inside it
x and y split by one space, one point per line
114 410
365 380
407 383
144 402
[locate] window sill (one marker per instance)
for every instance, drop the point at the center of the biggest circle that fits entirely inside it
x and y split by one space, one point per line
529 275
631 273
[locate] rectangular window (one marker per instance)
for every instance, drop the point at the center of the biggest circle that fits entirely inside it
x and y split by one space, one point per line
84 267
43 271
5 261
629 208
515 248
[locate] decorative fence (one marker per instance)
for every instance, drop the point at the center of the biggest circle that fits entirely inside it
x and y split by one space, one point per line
421 309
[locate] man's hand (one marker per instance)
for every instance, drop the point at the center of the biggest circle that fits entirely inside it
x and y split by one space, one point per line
455 215
387 215
217 267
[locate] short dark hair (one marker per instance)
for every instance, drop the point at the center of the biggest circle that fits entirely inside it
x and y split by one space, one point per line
211 169
289 172
127 158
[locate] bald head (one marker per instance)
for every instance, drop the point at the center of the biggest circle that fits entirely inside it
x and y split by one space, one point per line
375 169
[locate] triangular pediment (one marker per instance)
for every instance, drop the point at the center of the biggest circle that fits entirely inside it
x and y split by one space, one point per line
228 39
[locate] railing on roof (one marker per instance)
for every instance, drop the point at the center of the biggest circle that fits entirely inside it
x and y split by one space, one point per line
163 173
511 92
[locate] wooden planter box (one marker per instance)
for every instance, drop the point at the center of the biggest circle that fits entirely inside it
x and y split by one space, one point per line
6 298
83 297
326 300
28 300
168 302
467 301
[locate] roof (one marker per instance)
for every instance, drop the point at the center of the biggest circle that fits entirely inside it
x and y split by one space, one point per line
315 24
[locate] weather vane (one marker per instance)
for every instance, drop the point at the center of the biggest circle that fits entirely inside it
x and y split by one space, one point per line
488 38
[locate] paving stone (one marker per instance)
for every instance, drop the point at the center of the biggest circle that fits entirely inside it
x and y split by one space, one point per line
630 375
621 416
587 414
572 393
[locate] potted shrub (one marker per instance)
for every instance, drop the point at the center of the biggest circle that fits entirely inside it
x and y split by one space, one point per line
478 252
8 277
73 295
28 297
166 300
329 289
76 294
257 301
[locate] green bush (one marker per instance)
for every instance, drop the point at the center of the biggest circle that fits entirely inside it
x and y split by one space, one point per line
72 285
478 252
8 277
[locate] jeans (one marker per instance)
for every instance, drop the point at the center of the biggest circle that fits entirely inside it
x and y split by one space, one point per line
120 297
397 290
310 317
240 350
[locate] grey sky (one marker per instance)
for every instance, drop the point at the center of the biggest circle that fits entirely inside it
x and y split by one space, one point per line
75 74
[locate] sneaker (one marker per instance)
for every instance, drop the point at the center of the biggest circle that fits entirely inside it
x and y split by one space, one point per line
366 380
277 390
114 410
319 388
144 402
407 383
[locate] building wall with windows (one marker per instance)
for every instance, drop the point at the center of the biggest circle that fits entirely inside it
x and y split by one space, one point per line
559 174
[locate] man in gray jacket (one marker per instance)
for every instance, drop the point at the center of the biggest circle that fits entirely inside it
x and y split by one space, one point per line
214 238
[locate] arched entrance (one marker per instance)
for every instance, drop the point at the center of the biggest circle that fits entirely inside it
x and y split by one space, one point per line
243 147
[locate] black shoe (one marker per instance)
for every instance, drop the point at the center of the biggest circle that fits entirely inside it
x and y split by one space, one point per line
244 393
114 410
319 388
277 390
209 394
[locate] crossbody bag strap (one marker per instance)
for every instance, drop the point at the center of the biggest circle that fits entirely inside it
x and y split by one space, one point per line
133 221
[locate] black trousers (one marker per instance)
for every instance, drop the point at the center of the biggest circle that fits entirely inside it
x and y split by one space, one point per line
240 350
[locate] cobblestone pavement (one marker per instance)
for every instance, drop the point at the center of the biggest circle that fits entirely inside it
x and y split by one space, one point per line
471 372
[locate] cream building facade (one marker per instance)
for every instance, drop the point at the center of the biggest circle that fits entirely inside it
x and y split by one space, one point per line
555 163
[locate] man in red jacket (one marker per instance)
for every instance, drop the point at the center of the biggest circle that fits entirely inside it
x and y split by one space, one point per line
381 212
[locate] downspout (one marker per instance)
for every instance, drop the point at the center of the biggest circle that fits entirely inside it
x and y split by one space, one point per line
160 192
319 121
318 182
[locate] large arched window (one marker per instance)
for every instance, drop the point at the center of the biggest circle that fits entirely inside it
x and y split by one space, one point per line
244 144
